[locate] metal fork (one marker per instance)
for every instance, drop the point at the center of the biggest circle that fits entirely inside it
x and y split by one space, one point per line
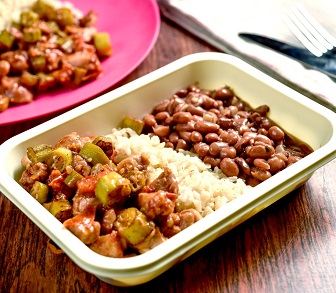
309 31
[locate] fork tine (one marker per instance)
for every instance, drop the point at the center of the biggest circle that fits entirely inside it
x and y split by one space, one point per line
313 27
317 26
294 27
308 30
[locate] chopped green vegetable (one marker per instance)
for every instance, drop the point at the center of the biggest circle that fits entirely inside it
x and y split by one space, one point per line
79 73
105 143
133 225
39 191
72 178
94 154
102 44
137 179
46 81
39 153
28 79
63 16
44 10
59 159
61 209
133 123
38 63
32 34
112 188
27 18
6 39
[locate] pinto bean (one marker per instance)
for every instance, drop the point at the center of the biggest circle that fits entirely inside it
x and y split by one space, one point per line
169 121
161 130
263 139
162 106
185 135
213 162
262 164
196 110
206 127
226 123
149 120
211 137
182 144
228 152
182 93
260 174
162 116
261 151
196 136
243 166
223 93
230 136
174 137
276 133
190 126
201 148
182 117
229 167
276 164
293 159
210 117
216 147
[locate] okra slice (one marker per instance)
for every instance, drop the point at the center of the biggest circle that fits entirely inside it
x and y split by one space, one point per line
133 225
105 143
94 154
40 191
59 159
102 44
72 178
133 123
6 40
39 153
112 188
61 209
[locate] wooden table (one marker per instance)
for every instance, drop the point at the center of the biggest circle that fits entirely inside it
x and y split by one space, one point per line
288 247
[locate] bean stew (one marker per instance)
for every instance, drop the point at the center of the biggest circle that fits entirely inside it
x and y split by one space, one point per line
225 132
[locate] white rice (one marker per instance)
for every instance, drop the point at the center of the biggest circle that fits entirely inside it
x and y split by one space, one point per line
10 10
199 186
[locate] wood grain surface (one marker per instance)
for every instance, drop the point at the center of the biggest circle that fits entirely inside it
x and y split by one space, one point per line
288 247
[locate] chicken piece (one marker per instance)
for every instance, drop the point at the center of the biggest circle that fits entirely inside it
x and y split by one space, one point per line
17 59
84 226
154 239
108 221
37 172
81 201
131 163
166 182
15 92
176 222
89 19
154 204
110 245
80 165
72 141
54 58
58 188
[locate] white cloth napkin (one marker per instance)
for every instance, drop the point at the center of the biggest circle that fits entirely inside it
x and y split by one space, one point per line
224 19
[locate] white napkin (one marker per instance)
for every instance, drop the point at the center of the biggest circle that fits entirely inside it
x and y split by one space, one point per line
225 19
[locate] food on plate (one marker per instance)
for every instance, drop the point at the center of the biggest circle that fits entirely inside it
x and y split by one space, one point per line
124 193
225 132
49 48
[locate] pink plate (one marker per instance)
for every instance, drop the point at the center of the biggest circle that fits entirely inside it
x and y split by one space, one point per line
133 26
